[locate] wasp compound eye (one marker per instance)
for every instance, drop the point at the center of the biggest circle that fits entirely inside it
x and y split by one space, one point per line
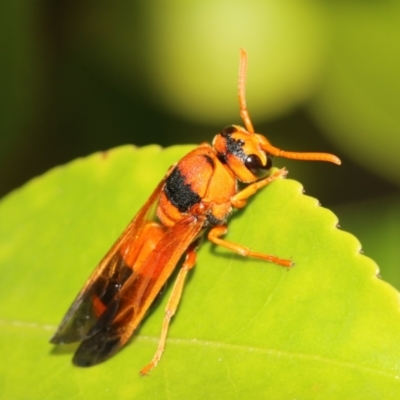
254 164
269 162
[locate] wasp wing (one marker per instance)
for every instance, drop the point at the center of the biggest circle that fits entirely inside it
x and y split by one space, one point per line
130 305
106 280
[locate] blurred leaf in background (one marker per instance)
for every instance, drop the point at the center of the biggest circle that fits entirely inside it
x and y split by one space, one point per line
21 80
78 77
358 104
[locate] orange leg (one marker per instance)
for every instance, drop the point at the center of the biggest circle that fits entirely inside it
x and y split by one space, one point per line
217 231
239 200
172 306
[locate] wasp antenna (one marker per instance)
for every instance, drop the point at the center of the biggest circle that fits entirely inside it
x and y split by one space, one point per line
311 156
244 113
266 146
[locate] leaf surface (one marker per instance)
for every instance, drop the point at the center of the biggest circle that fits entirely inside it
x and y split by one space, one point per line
327 328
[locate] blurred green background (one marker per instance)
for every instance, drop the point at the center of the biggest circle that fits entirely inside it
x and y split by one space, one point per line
82 76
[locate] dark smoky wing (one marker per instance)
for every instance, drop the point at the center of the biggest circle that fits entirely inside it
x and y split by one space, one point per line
137 295
105 283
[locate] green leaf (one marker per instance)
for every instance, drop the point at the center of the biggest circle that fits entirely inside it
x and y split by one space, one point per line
327 328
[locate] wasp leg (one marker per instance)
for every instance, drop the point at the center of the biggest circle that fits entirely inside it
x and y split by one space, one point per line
239 200
172 305
217 231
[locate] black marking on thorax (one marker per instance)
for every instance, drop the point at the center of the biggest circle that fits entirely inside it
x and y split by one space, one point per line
213 221
209 160
179 193
233 146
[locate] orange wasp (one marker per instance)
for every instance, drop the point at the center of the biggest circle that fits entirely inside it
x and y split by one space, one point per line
197 194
